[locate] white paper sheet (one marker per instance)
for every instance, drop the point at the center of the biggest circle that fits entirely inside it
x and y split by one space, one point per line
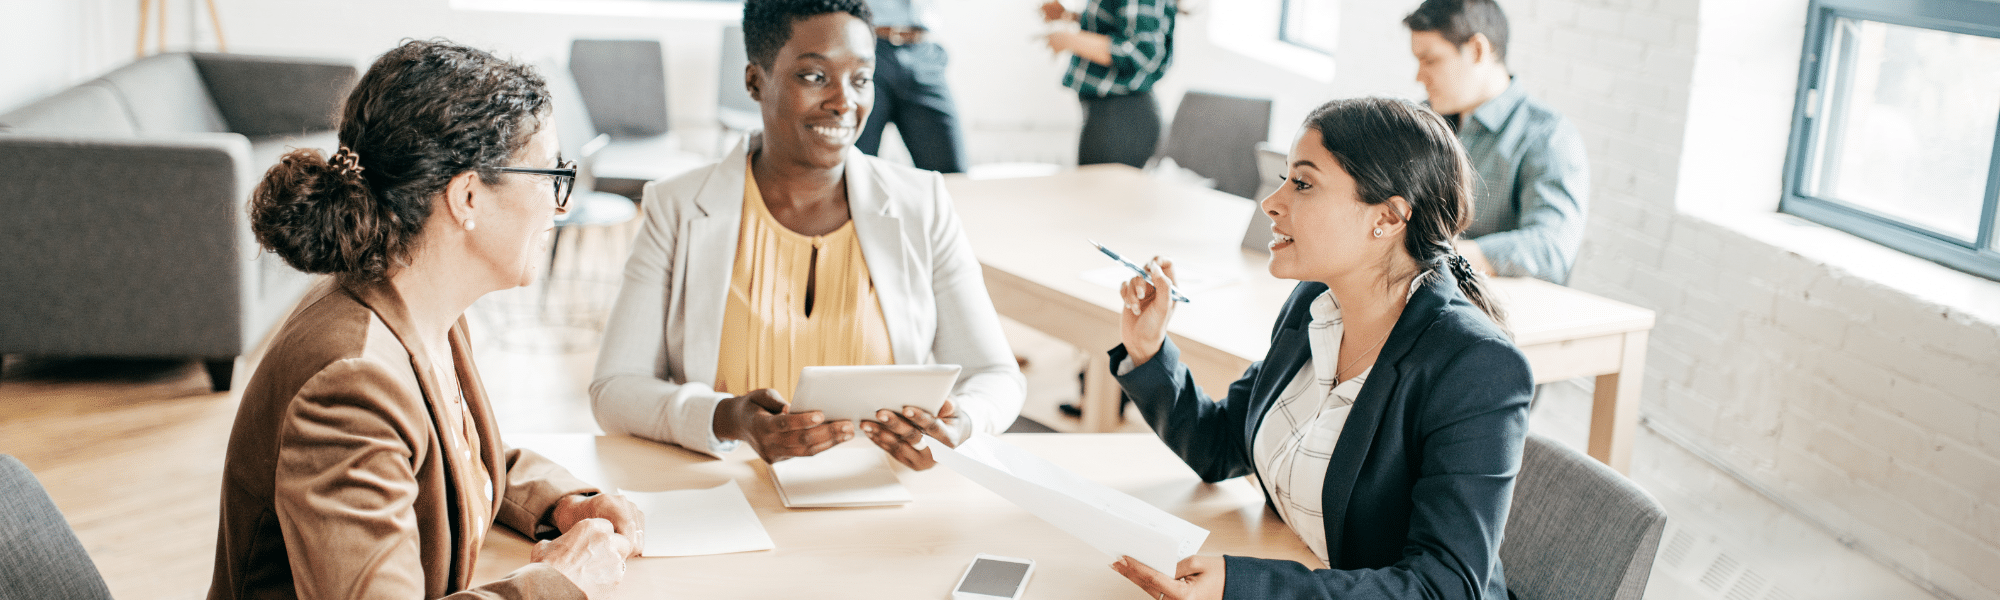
854 474
716 520
1107 519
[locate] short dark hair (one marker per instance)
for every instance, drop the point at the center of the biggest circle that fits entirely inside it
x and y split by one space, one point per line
1458 20
767 24
424 113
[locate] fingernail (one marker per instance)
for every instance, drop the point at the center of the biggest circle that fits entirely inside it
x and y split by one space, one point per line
816 419
910 412
868 427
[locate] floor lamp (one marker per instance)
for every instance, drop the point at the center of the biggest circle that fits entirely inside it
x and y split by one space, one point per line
145 11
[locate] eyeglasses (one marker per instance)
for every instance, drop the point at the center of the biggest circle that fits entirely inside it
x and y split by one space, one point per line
564 176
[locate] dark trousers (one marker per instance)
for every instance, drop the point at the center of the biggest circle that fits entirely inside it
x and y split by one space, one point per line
910 91
1119 129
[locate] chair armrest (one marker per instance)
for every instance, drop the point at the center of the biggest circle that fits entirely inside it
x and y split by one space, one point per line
274 95
124 245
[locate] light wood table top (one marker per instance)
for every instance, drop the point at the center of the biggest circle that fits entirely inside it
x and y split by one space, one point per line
913 551
1030 234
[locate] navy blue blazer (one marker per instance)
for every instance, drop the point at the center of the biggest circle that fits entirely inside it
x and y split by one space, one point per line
1417 489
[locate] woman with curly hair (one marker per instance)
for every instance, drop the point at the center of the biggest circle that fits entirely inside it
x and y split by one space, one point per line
365 461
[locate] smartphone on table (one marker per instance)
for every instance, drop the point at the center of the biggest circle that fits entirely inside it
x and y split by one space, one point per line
994 578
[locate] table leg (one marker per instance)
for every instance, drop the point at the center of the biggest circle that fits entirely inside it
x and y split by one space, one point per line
1614 412
1100 395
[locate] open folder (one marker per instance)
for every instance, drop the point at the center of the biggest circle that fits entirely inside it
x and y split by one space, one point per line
1107 519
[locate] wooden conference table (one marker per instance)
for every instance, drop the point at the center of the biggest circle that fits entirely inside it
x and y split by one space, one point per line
912 551
1030 233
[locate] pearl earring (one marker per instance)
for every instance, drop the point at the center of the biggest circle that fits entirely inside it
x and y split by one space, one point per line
469 225
1378 231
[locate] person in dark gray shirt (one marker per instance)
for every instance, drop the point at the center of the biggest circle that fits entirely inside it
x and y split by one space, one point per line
1533 188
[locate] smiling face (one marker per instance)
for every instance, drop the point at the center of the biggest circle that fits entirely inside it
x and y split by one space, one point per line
517 219
1321 230
817 93
1449 73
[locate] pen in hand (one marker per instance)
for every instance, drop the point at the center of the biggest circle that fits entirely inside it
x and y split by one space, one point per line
1135 269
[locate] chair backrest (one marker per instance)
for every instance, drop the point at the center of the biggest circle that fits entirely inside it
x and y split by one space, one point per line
1578 529
1270 167
733 104
624 85
1217 135
39 556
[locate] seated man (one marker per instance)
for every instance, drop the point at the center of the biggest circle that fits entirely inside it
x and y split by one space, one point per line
1533 186
799 250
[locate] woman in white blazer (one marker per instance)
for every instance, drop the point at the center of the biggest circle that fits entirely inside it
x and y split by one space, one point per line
657 373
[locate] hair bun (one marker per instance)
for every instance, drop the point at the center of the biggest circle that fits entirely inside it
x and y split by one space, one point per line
317 216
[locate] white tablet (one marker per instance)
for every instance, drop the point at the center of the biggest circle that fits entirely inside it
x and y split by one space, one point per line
855 393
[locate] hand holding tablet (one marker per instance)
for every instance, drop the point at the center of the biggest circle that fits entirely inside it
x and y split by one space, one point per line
893 405
855 393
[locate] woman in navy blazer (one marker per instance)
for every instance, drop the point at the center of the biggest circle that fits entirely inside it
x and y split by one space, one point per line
1420 448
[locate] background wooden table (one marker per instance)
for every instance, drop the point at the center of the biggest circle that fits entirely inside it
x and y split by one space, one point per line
912 551
1030 233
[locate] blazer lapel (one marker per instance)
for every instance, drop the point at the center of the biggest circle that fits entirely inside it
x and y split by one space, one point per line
1357 438
707 261
880 232
381 298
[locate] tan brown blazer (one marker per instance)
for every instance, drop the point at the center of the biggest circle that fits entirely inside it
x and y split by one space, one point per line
339 483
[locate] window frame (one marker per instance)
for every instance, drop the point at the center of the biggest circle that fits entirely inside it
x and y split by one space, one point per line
1969 17
1285 29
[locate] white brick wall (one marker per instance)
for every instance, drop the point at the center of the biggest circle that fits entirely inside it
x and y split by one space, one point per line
1870 409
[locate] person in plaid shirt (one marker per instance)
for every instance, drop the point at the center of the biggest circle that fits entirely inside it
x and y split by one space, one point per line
1120 49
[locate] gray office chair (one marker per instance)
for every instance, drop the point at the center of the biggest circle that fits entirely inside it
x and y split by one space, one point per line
1578 529
734 108
623 84
1217 135
39 556
1270 167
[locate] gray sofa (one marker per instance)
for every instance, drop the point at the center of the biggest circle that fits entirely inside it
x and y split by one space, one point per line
125 231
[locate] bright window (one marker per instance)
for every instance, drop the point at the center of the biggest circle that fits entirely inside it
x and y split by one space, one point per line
1897 125
1313 24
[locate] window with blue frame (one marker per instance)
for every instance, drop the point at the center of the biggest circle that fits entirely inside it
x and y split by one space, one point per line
1896 130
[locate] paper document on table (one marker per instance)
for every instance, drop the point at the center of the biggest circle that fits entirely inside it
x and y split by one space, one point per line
716 520
1107 519
1192 280
848 475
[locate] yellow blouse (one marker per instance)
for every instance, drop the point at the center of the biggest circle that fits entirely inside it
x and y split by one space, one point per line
767 333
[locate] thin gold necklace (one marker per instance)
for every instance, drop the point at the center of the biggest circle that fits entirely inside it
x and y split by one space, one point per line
1357 359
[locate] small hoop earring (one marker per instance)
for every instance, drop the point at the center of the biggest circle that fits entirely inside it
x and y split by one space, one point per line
469 225
1378 231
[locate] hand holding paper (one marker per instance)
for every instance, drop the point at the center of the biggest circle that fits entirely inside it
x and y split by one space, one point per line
1107 519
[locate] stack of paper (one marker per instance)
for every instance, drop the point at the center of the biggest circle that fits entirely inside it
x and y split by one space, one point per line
843 476
717 520
1107 519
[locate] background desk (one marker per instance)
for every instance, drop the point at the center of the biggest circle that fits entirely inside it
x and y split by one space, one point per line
913 551
1030 234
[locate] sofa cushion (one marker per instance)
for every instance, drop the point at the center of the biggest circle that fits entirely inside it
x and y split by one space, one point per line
166 95
272 95
88 108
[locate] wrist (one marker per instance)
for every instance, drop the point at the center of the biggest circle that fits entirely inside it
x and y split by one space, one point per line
567 510
726 422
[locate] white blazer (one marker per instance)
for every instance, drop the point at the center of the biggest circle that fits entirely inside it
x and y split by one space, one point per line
656 371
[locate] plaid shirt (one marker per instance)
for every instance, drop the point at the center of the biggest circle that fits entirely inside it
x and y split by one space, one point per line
1142 45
